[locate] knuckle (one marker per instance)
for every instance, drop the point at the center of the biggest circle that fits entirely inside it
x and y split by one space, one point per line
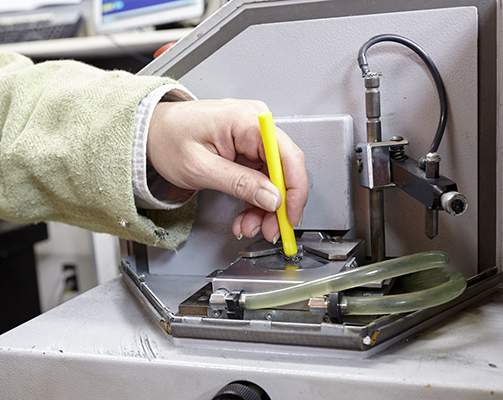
242 185
260 105
235 107
300 153
193 171
229 101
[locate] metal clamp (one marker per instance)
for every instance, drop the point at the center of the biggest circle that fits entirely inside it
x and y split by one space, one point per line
225 304
373 160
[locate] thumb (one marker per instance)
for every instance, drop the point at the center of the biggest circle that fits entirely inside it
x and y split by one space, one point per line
242 182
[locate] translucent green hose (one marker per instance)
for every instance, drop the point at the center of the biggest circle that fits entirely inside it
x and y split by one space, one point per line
434 262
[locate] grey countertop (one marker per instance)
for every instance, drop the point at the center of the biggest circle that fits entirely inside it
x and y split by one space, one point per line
103 345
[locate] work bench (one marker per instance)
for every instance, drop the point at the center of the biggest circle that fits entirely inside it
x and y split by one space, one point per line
102 345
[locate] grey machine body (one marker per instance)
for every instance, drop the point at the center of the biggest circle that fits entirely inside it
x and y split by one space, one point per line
316 91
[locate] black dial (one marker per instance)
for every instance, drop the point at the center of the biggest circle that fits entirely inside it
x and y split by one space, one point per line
240 391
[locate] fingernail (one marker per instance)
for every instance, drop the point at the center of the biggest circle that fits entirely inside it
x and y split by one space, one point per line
301 219
239 237
267 200
255 231
275 238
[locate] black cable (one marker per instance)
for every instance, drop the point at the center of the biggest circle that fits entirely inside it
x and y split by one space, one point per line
437 78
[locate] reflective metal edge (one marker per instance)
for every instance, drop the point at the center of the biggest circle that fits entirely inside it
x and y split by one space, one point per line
154 306
312 335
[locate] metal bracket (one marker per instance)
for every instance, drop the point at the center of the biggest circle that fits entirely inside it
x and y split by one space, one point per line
374 163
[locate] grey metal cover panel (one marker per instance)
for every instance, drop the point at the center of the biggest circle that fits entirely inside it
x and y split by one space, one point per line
314 72
327 142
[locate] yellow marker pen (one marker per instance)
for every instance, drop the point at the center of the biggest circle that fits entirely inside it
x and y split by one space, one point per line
271 150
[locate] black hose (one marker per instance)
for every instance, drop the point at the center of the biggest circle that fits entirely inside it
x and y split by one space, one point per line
437 78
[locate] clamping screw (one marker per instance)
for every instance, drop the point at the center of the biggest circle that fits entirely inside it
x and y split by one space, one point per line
454 203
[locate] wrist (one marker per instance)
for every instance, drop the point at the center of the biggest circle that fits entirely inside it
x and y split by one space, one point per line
159 124
164 190
151 189
158 181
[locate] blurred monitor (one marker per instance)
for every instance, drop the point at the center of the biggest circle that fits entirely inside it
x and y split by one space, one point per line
116 15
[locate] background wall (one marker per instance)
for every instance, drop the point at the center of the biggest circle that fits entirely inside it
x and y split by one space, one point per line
93 255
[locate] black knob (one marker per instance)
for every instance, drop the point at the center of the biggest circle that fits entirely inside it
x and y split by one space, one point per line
239 391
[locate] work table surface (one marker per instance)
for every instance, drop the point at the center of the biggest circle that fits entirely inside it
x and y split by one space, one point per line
103 345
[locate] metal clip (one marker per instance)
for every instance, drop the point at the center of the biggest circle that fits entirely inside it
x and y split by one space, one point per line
374 163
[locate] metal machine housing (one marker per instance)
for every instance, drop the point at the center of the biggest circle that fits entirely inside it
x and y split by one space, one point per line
162 288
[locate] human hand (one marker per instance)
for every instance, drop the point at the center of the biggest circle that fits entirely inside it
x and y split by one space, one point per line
216 144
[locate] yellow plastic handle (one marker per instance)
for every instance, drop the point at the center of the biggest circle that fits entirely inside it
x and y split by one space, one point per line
271 150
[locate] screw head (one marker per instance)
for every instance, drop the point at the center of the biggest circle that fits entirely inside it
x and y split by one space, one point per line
458 206
359 165
396 138
433 157
454 203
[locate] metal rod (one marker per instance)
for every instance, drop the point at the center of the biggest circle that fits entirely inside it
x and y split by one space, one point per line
432 170
377 238
431 223
376 196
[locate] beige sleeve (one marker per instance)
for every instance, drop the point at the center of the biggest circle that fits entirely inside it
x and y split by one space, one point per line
66 145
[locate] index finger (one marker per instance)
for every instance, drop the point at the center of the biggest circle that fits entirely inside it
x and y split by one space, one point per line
294 171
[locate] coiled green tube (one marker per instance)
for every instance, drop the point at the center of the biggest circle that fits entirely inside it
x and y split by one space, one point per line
432 261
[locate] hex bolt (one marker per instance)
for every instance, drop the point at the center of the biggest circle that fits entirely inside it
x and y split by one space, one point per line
432 165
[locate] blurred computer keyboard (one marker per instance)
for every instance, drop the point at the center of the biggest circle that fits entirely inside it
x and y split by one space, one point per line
25 28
